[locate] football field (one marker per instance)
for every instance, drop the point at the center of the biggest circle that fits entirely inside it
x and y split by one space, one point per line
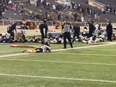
83 66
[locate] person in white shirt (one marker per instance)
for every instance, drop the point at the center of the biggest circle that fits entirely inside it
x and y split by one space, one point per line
42 1
10 2
65 4
54 7
96 29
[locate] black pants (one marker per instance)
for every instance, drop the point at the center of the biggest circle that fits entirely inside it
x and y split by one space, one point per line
46 31
0 14
43 35
39 50
11 34
67 36
109 36
90 34
76 34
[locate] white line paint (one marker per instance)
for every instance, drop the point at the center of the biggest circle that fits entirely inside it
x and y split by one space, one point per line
101 55
84 47
11 55
58 78
63 62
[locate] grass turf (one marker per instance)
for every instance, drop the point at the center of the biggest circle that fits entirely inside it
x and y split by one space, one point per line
89 63
6 49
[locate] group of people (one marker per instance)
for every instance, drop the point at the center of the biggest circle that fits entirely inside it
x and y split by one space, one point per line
80 11
92 35
28 25
109 8
69 34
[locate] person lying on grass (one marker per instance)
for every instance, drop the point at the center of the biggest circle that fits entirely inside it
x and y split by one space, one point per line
42 49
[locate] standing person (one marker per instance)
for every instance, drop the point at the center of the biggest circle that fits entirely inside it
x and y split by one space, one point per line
91 28
0 13
11 30
59 16
76 30
109 31
66 27
42 27
96 29
75 16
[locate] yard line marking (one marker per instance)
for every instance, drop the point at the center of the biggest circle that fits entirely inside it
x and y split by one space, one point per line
11 55
105 55
63 62
58 78
84 47
111 43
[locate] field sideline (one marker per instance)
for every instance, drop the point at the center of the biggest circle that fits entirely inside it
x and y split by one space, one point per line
84 47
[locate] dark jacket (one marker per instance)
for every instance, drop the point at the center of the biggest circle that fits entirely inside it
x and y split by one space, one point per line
109 28
76 29
91 28
12 28
42 26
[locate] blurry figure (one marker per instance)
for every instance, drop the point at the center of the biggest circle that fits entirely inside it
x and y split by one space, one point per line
43 27
11 30
109 31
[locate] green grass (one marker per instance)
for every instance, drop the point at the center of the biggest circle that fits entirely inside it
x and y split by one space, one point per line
97 63
6 49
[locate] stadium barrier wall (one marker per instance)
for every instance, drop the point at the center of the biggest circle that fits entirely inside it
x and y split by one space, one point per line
50 23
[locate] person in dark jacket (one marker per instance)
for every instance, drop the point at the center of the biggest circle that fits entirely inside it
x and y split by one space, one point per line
76 30
11 30
109 31
42 27
75 16
91 29
0 13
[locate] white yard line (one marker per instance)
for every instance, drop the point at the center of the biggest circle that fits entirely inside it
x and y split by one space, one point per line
58 78
84 47
76 54
11 55
63 62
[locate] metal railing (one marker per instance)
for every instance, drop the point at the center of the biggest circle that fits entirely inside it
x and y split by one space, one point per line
50 23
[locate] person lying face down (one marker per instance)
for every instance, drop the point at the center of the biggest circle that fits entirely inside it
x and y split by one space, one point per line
42 49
